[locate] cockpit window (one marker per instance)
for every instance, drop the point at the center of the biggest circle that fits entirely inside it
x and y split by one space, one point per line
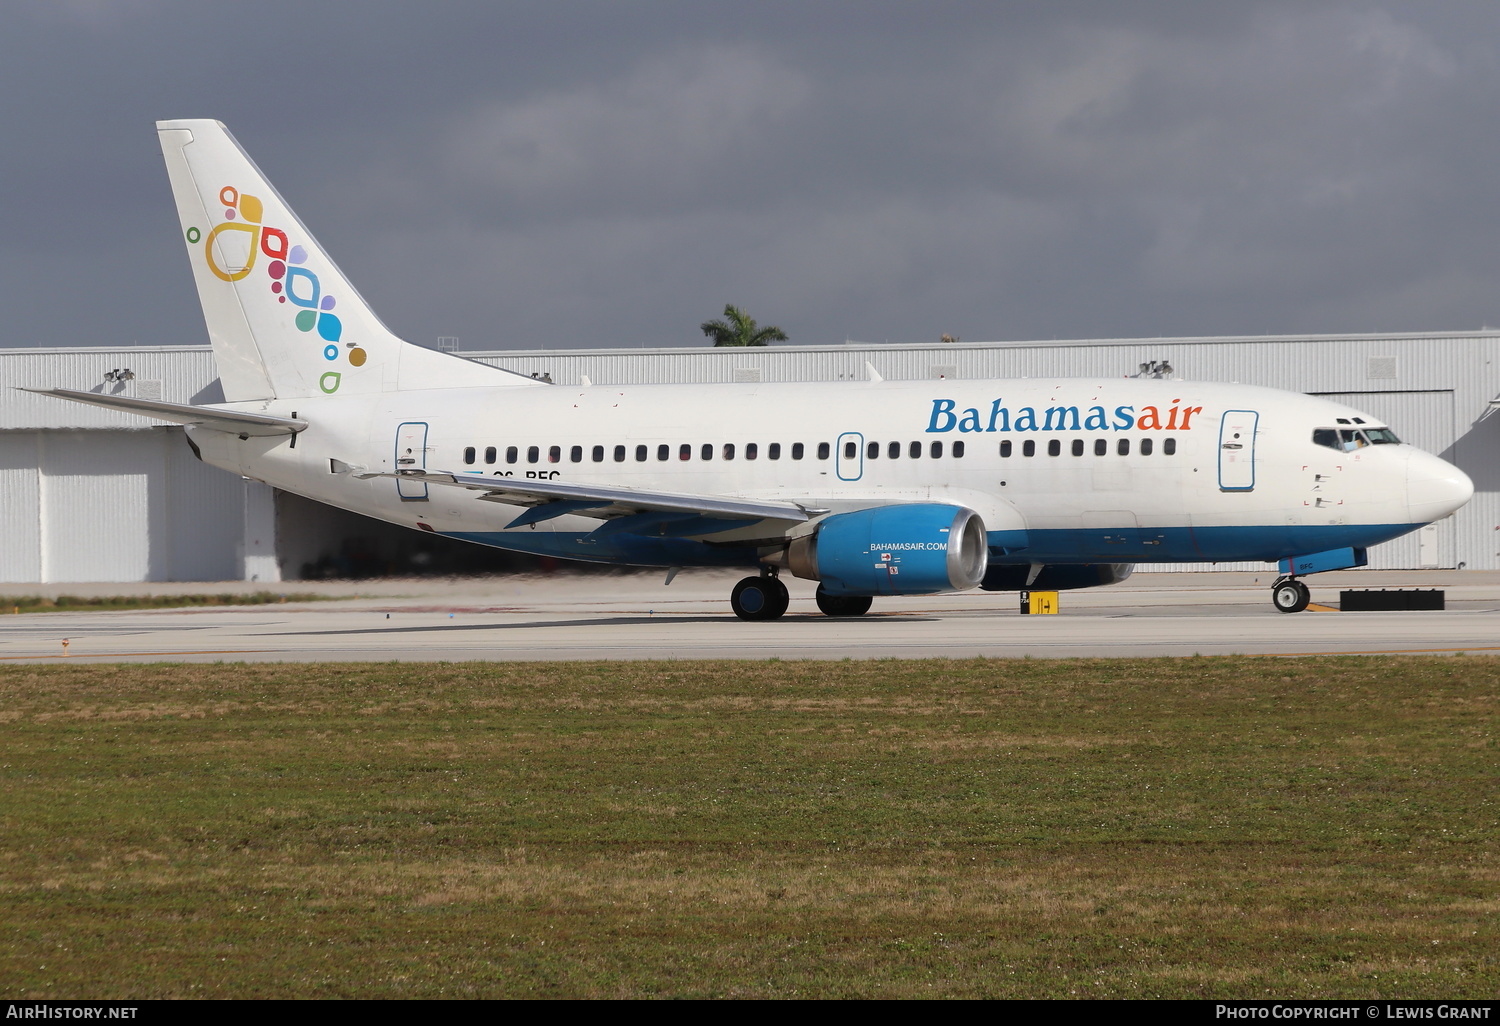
1349 439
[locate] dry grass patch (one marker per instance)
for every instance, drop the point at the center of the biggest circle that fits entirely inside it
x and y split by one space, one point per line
1206 827
14 604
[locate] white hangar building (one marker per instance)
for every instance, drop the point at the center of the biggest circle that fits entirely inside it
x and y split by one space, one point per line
87 494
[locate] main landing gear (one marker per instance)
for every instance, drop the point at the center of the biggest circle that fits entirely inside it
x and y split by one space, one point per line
766 598
759 598
1290 595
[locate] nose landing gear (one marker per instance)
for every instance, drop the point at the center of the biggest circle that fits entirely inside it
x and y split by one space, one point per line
759 598
1290 595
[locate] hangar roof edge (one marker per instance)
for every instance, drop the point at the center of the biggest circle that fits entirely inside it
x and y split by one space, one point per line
556 351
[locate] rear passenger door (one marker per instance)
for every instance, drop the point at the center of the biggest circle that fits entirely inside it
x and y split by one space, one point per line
411 454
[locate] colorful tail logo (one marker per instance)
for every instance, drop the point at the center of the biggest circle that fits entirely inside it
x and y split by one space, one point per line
241 235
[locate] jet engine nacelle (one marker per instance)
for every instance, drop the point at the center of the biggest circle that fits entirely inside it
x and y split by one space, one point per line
909 549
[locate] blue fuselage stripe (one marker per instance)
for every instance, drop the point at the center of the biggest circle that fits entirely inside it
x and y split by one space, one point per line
1188 544
1070 545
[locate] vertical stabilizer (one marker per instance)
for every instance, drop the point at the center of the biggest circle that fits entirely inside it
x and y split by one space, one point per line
283 319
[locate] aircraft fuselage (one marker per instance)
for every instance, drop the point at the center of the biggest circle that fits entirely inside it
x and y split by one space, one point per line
1062 471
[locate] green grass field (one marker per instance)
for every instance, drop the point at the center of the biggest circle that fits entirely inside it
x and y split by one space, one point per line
1184 828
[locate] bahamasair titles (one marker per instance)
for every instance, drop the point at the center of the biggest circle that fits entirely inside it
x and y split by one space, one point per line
869 488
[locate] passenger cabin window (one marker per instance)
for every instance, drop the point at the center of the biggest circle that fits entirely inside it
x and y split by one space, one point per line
1145 447
576 454
1005 449
641 452
533 454
490 454
619 454
752 450
554 454
823 450
597 454
1101 447
893 451
773 451
708 450
1123 447
685 451
935 450
958 450
1028 448
915 450
850 450
512 454
872 451
663 452
1078 447
1169 446
797 451
469 454
1054 448
729 450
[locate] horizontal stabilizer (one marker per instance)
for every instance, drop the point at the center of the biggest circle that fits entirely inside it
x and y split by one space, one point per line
230 421
602 501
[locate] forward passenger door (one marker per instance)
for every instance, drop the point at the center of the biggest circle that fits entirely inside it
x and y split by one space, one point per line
1237 450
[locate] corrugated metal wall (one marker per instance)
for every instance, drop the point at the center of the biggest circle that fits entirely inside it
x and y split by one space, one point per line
115 506
178 374
21 539
203 526
95 506
1323 363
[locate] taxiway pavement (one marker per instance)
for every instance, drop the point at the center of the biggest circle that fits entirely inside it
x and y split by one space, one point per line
567 617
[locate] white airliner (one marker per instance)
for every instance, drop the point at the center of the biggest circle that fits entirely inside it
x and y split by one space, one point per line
869 488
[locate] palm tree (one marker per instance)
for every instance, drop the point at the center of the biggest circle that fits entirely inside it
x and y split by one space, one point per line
739 329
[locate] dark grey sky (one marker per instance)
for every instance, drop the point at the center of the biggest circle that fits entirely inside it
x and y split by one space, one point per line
567 174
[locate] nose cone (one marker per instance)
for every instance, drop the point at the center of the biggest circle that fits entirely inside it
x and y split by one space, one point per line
1434 487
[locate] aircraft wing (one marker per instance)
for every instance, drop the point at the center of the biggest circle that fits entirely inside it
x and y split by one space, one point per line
549 499
231 421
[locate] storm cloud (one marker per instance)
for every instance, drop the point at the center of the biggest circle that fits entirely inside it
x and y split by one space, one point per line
530 175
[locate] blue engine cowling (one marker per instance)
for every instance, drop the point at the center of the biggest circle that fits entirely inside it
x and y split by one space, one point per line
909 549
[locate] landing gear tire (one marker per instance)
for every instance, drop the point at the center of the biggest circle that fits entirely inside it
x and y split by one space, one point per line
1290 596
759 598
843 605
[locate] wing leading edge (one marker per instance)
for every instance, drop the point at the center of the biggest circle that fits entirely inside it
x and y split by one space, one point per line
667 512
